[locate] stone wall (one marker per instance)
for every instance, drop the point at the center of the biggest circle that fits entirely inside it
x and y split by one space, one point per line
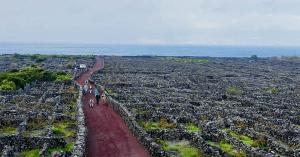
79 148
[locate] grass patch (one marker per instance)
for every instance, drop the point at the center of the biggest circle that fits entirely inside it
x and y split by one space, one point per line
273 90
140 111
63 77
8 130
37 123
63 129
227 148
162 124
260 142
111 92
31 153
233 90
149 125
243 138
183 148
68 149
34 133
192 128
36 127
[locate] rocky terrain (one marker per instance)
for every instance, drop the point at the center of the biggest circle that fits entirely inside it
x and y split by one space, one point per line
38 104
210 106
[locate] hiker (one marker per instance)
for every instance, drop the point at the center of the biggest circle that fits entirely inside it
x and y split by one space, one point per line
91 89
103 98
97 95
91 103
102 94
85 89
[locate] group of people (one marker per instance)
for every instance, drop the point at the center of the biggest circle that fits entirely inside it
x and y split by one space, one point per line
98 95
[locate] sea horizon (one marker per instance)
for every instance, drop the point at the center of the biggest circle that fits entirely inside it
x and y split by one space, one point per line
148 49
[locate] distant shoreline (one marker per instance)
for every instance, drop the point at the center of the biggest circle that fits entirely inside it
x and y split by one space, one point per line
148 50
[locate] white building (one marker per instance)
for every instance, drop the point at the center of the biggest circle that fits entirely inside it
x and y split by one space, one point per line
82 66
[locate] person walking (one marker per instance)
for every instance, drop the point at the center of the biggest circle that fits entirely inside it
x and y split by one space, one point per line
85 89
91 88
102 94
103 98
91 103
97 95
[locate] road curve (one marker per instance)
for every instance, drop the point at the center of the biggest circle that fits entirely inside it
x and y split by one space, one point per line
108 136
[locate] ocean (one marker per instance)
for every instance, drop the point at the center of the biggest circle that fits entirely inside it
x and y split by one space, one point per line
152 50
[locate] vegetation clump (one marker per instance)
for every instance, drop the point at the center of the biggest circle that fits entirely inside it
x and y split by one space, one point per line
67 149
111 92
38 57
192 128
162 124
36 127
227 148
18 78
273 90
245 139
69 66
259 142
63 128
7 85
183 148
233 90
62 77
8 130
31 153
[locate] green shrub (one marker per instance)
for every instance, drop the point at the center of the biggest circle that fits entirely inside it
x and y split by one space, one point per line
69 147
63 77
18 78
31 153
69 66
7 85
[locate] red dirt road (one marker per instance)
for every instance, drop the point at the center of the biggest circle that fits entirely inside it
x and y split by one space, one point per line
108 136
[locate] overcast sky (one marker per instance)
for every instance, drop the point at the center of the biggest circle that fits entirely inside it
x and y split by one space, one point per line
213 22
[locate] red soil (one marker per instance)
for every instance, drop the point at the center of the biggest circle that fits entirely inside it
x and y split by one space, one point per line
108 136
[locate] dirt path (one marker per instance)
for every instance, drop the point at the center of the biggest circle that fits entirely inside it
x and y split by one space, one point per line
108 136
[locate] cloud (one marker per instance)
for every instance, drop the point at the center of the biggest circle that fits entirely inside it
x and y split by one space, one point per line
247 22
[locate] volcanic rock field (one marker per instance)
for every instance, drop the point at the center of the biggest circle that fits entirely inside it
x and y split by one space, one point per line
210 106
40 118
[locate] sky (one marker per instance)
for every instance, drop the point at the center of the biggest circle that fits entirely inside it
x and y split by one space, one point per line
197 22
